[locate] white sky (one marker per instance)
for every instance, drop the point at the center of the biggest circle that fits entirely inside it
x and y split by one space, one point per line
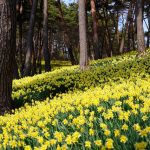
68 1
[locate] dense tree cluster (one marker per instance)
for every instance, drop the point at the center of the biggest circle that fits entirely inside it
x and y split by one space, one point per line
38 31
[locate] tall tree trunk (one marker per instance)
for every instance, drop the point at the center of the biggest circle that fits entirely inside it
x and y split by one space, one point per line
132 25
83 35
70 50
7 52
148 35
95 31
125 30
16 69
45 36
129 37
34 58
20 24
140 30
108 34
27 67
116 37
39 43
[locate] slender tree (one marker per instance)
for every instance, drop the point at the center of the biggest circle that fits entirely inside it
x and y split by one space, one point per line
140 30
82 35
45 36
125 30
30 47
7 52
148 18
95 31
19 7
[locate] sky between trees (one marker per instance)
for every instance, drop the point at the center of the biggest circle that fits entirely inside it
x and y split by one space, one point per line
144 24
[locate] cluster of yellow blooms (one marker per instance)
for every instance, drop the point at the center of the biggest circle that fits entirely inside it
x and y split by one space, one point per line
104 71
113 115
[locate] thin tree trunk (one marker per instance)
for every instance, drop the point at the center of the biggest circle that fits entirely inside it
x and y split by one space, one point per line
132 25
129 37
7 52
95 31
70 50
15 71
125 31
21 60
45 36
83 35
108 33
30 47
34 57
117 32
148 35
115 19
140 30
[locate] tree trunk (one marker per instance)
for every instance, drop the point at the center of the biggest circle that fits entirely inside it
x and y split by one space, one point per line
19 8
82 35
125 30
16 69
148 35
34 58
95 31
116 36
73 61
45 36
7 52
129 37
108 34
140 30
27 68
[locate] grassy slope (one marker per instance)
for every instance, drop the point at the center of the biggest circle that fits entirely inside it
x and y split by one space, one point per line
67 79
109 108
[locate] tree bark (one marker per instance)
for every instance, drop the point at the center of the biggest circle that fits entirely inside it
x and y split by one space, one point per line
140 30
95 31
16 69
116 36
7 52
125 30
27 67
21 59
45 36
148 35
82 35
108 34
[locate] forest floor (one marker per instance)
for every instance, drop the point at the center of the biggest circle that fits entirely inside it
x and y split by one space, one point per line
104 107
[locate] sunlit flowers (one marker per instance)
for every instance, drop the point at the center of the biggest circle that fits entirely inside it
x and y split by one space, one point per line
107 106
123 139
88 144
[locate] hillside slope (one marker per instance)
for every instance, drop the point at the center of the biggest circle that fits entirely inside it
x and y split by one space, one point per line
107 107
101 72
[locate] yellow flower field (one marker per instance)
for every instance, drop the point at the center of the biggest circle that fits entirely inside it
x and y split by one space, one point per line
107 107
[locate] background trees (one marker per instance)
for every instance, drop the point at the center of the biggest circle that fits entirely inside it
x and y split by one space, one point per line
112 28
